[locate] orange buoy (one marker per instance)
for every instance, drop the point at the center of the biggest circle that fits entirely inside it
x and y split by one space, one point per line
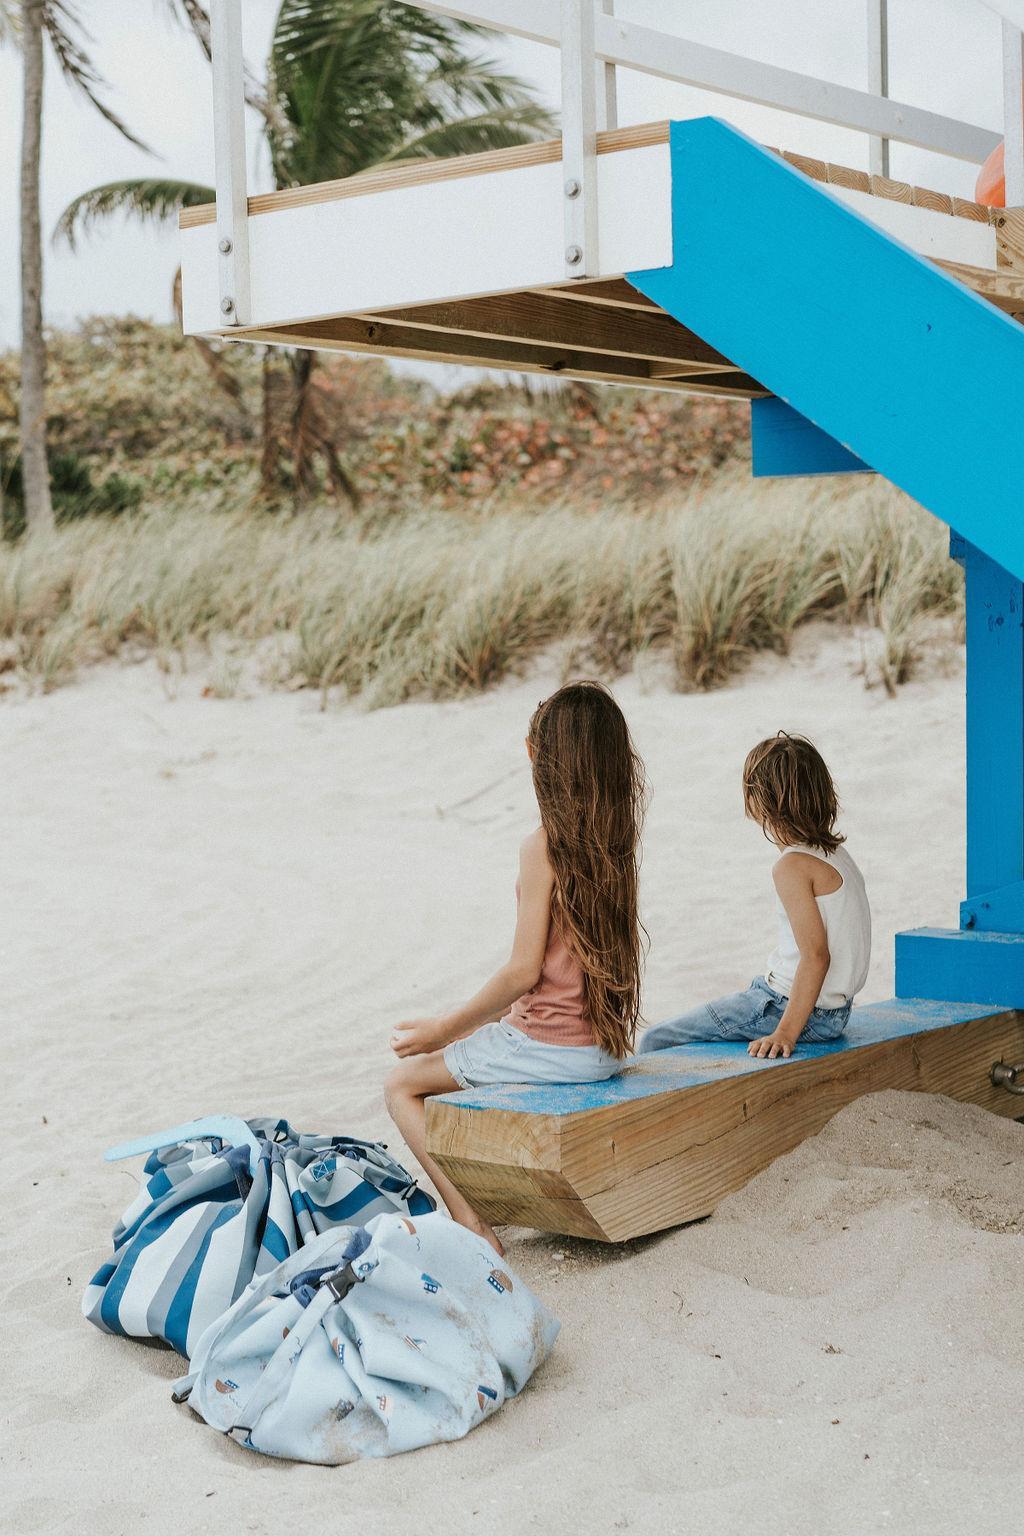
990 186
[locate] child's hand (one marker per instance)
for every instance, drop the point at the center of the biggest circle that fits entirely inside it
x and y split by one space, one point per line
779 1043
415 1037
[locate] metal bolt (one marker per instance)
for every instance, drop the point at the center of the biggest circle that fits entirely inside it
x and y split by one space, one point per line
573 188
574 255
224 246
227 305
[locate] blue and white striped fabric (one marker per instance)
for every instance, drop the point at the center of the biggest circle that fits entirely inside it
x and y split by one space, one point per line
370 1341
211 1217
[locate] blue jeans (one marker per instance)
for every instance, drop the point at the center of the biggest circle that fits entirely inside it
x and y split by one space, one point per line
743 1016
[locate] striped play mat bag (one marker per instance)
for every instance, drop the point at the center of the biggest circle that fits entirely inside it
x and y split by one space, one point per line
372 1340
224 1200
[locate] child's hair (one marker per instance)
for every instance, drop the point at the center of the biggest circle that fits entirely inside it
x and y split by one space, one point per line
589 783
788 791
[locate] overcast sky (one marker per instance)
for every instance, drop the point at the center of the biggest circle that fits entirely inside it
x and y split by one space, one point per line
945 55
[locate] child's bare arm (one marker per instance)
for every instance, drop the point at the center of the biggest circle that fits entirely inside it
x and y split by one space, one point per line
794 881
520 972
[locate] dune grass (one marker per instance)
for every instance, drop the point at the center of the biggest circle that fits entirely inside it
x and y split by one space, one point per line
436 603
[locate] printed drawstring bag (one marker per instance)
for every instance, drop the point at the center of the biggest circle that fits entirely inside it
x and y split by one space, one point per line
371 1340
224 1201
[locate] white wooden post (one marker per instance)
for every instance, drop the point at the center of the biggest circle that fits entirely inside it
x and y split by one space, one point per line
579 137
607 88
229 161
878 77
1013 113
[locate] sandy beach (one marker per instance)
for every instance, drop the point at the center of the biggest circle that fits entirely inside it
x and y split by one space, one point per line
224 904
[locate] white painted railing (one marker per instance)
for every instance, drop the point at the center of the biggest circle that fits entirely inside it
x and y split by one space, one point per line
594 42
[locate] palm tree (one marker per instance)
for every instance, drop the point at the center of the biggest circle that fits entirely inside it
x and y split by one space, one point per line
29 23
349 85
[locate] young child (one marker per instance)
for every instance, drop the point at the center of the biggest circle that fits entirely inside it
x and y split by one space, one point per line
568 999
824 939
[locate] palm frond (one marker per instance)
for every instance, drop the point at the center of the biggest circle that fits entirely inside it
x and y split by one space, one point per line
68 39
10 21
359 84
149 200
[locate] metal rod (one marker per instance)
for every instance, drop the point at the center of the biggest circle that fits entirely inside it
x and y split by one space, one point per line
675 58
229 161
607 86
878 78
1013 114
579 137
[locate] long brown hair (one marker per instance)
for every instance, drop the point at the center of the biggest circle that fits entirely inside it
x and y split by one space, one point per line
589 783
789 792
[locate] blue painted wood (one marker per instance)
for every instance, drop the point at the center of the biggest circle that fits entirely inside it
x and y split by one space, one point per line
1000 911
995 729
688 1066
936 962
880 349
785 443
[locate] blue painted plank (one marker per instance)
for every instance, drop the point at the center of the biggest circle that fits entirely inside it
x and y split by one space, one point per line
689 1066
785 443
884 352
995 729
934 962
1000 911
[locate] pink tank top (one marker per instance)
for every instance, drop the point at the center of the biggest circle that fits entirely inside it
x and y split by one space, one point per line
553 1010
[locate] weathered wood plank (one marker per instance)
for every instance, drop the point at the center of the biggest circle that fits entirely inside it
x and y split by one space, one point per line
379 338
552 321
636 136
680 1129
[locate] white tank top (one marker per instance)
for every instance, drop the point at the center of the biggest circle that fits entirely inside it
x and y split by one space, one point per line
847 919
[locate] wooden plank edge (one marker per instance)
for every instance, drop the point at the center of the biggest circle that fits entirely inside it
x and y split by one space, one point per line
553 362
639 136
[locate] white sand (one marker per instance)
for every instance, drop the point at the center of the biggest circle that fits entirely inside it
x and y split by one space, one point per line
225 904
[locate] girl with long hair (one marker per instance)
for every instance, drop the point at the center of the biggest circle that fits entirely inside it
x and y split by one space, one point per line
564 1008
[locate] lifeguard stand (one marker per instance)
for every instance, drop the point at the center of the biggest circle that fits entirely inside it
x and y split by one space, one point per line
874 325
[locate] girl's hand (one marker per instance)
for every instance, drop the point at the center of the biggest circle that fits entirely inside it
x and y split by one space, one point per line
779 1043
415 1037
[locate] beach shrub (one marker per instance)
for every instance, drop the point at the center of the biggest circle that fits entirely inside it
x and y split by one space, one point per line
439 601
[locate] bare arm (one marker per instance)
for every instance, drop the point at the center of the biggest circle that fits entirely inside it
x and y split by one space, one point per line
794 882
519 973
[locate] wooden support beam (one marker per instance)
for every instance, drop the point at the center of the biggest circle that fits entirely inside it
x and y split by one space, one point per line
613 291
995 722
1002 288
549 321
380 339
681 1129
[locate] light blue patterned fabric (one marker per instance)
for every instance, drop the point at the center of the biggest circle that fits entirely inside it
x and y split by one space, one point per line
370 1341
210 1217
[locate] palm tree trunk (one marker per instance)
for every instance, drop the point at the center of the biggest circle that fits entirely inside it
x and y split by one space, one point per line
303 437
35 474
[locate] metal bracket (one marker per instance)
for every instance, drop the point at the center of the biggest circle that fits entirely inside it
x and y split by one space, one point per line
1003 1075
229 161
878 76
579 138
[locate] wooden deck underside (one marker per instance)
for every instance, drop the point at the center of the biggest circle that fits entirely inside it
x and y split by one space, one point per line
674 1134
598 329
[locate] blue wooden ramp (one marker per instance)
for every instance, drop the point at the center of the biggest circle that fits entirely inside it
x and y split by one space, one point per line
879 358
663 1142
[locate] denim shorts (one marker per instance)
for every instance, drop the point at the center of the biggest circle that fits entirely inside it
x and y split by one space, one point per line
743 1016
500 1053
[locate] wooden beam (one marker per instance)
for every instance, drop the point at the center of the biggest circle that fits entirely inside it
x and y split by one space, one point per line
1002 288
615 292
379 339
553 322
639 136
683 1128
